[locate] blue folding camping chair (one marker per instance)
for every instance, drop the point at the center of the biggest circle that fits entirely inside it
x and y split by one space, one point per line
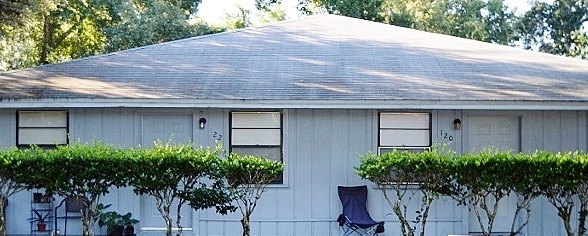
355 217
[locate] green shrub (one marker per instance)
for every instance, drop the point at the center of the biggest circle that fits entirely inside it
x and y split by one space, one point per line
247 178
399 171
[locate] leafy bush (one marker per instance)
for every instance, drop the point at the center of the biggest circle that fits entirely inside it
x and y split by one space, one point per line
10 184
480 181
178 172
399 170
247 178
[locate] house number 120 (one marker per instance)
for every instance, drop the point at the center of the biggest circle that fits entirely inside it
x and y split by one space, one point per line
446 136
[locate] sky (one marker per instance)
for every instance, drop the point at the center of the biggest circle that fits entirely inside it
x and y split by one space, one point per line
214 10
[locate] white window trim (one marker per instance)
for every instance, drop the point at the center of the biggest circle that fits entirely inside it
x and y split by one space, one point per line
283 130
26 124
409 126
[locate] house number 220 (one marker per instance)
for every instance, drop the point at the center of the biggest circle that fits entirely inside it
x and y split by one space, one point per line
446 136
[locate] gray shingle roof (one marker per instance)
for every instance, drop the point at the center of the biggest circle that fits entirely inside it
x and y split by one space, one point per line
326 59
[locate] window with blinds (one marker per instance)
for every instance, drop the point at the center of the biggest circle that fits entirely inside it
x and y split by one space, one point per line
42 128
258 134
404 131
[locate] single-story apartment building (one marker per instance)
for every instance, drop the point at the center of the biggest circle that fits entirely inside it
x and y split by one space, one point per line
315 93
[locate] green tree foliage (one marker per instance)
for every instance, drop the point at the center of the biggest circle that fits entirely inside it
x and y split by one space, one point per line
556 27
18 47
239 20
12 13
80 171
168 172
67 29
247 177
58 30
364 9
9 180
265 4
149 22
561 179
489 21
273 13
482 180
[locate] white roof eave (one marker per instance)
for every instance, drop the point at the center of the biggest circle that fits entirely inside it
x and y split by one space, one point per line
295 104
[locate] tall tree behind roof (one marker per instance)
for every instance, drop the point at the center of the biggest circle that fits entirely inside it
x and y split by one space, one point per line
489 21
12 13
364 9
265 4
58 30
556 27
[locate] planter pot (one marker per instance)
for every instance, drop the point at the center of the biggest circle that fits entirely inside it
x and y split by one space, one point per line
41 227
117 231
129 230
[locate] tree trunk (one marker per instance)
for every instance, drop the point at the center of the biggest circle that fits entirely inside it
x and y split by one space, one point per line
45 43
568 227
87 223
179 219
246 226
582 221
2 218
168 223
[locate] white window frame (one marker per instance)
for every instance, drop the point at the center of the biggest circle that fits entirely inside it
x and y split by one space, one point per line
44 128
248 129
390 123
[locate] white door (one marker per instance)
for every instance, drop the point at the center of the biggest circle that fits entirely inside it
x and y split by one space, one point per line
164 127
503 133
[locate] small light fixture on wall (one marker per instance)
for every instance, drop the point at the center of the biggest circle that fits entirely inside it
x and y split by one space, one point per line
202 123
457 124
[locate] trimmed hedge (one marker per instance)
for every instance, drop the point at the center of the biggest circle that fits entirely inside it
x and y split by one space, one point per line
561 177
197 177
399 170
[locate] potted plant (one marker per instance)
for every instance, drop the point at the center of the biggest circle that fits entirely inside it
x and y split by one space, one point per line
40 219
117 224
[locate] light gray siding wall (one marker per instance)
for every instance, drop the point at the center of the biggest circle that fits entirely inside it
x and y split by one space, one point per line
7 128
554 131
321 149
113 125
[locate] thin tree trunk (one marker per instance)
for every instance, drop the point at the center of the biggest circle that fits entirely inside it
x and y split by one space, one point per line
582 221
179 219
565 215
245 225
427 206
164 211
523 204
45 43
168 221
2 214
